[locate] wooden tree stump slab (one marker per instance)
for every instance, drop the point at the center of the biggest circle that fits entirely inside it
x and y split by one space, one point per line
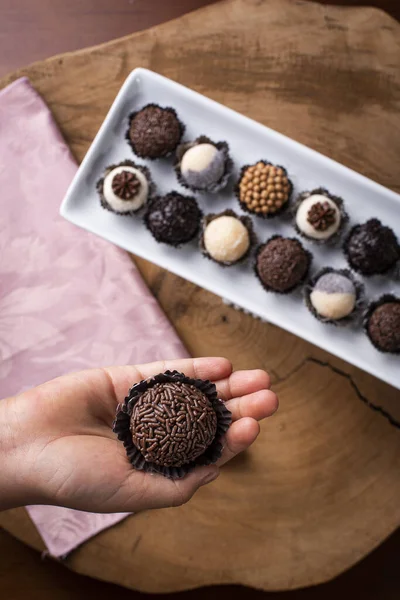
321 487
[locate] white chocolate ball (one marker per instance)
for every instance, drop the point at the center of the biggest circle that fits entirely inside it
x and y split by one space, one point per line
307 228
226 239
117 203
198 157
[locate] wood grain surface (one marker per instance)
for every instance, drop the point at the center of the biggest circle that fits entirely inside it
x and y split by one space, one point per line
35 29
320 489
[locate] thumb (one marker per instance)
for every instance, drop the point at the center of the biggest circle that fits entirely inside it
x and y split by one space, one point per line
188 486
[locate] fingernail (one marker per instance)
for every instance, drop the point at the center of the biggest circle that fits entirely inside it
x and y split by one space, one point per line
210 477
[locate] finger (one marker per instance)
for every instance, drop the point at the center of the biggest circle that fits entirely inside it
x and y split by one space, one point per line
239 437
240 383
213 368
159 492
258 405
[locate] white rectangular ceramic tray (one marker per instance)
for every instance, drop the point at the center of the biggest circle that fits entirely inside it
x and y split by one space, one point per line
249 141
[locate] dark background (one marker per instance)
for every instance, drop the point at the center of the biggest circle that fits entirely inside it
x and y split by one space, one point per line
35 29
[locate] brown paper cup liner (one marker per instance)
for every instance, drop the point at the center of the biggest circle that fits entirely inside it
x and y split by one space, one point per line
132 145
284 208
121 425
247 222
354 316
294 287
344 217
367 315
125 163
222 181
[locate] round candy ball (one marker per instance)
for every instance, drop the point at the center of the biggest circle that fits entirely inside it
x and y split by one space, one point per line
282 264
226 239
173 219
125 189
333 296
154 132
372 248
202 165
383 326
172 424
318 217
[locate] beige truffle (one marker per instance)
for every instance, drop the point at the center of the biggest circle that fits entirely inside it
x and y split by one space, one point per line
226 239
333 306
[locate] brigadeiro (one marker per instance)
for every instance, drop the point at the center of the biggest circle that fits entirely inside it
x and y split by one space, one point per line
372 248
125 188
203 165
154 132
173 219
320 216
382 324
227 238
282 264
170 424
334 296
264 189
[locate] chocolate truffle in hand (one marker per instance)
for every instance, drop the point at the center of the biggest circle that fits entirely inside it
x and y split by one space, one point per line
372 248
383 324
125 187
173 219
282 264
154 132
333 295
226 237
319 215
203 165
264 189
171 423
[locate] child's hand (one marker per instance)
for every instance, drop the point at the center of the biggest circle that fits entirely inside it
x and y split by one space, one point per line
57 446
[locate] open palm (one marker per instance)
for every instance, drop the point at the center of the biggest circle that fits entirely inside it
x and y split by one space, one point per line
70 456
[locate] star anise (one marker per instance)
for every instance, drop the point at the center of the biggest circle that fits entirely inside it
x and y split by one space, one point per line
125 185
321 216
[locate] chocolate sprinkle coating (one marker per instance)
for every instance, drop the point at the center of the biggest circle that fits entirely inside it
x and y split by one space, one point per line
172 424
372 248
154 132
127 419
282 264
173 219
382 324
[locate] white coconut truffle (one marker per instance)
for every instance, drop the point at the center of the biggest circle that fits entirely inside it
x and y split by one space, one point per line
226 239
333 296
318 230
117 203
202 165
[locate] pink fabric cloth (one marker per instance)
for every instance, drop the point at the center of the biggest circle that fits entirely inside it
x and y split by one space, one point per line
68 300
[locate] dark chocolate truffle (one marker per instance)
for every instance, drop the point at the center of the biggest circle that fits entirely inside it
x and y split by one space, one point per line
170 424
154 132
282 264
372 248
383 325
173 219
